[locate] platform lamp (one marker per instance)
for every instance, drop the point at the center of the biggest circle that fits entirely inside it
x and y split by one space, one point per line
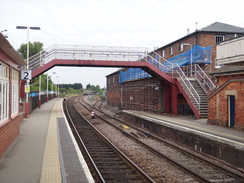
58 87
47 89
53 84
188 44
27 63
40 83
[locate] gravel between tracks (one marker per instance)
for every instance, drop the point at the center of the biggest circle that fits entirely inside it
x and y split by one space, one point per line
158 169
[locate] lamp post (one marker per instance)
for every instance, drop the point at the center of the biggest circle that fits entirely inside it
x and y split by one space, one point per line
53 81
47 88
188 44
40 85
58 87
27 63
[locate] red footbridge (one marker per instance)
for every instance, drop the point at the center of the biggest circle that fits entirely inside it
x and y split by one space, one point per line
128 57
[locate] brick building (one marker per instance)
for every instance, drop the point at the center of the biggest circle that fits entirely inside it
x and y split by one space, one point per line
10 117
113 95
205 37
226 103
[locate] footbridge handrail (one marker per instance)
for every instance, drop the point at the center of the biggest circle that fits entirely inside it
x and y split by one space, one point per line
87 52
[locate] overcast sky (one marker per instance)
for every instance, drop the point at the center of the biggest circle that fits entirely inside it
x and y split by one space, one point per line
143 23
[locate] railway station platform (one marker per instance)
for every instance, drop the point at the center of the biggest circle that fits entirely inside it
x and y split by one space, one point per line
45 150
200 126
221 142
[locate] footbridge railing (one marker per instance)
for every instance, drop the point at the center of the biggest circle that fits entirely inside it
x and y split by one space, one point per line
113 53
84 52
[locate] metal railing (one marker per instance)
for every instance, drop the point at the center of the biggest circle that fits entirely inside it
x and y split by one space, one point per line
83 52
190 90
203 79
174 70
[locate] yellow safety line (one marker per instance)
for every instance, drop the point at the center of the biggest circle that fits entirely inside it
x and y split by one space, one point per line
203 129
51 165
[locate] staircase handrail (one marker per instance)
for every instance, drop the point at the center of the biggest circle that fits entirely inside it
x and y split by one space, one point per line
183 80
189 87
203 79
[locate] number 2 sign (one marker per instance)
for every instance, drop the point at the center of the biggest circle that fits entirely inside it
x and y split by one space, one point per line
26 74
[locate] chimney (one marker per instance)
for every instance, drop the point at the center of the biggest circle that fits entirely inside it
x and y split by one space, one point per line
188 31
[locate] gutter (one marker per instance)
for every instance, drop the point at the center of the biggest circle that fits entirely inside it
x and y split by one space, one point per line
222 86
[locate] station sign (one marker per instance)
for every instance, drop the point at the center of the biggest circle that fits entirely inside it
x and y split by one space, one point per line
25 74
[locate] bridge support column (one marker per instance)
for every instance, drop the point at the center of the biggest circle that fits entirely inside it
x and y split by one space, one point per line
26 109
174 99
39 103
167 98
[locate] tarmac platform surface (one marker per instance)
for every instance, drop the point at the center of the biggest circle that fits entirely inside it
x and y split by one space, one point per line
45 150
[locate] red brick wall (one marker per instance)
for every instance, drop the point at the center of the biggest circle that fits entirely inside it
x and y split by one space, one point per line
142 95
136 95
8 133
113 95
218 104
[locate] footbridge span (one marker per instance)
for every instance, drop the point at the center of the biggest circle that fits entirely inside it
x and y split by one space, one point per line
121 57
95 56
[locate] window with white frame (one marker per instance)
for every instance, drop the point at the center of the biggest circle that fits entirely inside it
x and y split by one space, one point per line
163 53
4 92
15 92
181 47
171 50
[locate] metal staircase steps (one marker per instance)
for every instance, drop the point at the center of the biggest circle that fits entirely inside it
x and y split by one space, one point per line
203 97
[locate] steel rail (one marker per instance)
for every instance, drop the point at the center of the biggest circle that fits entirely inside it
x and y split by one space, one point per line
196 175
144 176
76 133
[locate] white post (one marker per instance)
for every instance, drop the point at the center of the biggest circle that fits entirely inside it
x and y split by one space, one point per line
27 82
52 88
27 62
47 88
40 83
39 98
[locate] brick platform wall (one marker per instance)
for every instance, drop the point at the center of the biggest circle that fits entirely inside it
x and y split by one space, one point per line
8 133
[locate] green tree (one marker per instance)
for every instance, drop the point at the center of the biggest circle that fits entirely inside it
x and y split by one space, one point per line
35 83
95 89
88 86
34 48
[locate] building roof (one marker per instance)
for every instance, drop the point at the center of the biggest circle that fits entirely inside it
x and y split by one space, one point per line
10 51
221 27
216 27
228 70
113 73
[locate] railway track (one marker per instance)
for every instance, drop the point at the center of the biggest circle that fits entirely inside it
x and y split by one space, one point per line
202 168
106 162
